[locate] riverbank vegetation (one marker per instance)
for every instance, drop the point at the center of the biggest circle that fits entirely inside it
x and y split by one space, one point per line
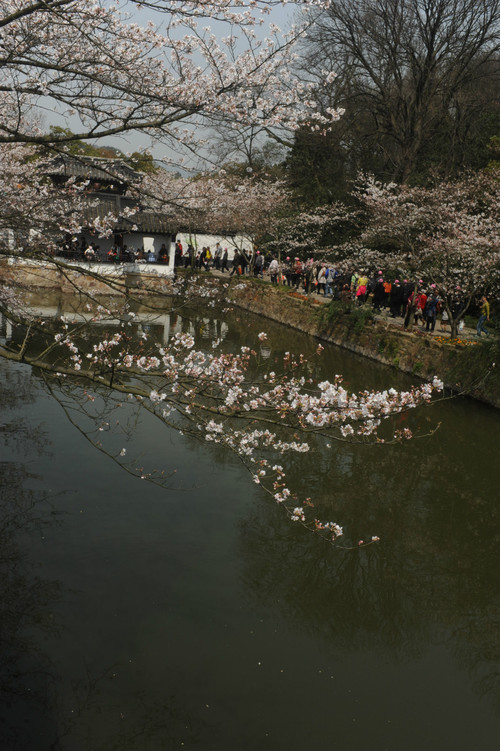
466 364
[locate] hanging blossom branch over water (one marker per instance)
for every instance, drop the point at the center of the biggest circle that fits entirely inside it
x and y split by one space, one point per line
225 399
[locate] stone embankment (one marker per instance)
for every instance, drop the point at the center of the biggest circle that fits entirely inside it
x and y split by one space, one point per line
465 365
90 278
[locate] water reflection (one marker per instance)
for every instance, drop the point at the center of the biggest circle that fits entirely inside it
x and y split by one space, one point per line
169 607
26 600
46 703
433 578
160 325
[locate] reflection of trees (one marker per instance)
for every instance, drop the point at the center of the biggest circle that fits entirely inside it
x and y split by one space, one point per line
25 599
434 576
40 709
96 721
157 317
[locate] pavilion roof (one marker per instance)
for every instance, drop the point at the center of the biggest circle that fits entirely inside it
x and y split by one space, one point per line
91 168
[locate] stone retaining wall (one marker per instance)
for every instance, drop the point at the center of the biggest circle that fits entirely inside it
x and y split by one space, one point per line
464 367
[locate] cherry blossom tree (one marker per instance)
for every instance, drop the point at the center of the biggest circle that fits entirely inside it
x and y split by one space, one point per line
93 66
91 63
221 397
35 214
447 234
240 209
314 233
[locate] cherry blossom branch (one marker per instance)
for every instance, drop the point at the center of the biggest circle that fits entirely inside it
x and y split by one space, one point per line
212 397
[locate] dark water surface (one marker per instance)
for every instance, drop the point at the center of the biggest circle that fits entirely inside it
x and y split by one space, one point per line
200 617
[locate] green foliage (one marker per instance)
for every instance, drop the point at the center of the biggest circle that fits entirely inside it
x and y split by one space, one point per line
142 162
316 169
77 147
389 348
360 317
333 312
457 146
355 318
475 368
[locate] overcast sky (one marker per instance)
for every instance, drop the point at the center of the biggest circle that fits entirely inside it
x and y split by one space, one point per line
281 15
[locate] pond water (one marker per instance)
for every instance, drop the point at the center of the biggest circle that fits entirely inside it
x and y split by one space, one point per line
198 616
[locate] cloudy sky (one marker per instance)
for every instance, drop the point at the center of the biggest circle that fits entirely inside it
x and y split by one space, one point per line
281 15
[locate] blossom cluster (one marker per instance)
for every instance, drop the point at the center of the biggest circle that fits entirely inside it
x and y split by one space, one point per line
95 63
216 396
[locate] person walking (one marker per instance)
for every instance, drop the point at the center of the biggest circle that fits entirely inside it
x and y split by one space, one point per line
217 256
205 259
378 295
485 316
396 299
258 266
236 264
328 282
297 273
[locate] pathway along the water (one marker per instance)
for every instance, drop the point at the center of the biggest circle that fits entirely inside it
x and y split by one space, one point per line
440 329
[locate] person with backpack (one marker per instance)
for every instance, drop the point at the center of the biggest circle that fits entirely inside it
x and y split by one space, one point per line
273 271
204 258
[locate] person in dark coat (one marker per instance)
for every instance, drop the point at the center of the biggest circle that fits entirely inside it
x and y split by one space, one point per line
396 298
236 264
378 295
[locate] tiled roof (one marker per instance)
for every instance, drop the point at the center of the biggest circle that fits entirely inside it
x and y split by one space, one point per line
91 168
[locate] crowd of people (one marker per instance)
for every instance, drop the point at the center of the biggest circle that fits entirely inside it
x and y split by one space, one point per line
401 298
93 253
415 301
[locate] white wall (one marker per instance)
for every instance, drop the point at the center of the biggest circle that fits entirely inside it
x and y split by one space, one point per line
199 241
136 241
